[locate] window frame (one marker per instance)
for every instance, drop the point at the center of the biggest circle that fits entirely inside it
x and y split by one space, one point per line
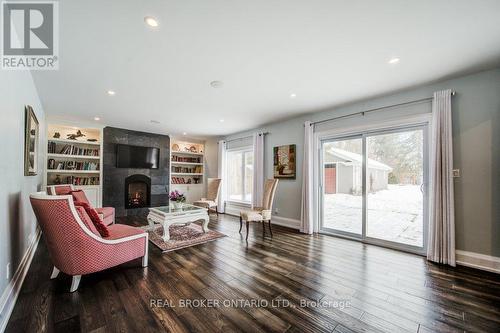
242 150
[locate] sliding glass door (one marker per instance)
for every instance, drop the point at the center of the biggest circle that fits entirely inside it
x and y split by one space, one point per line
373 187
343 186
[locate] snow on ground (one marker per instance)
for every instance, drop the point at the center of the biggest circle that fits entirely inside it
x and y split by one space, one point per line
394 214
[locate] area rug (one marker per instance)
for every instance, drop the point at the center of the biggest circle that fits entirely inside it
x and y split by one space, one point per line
181 236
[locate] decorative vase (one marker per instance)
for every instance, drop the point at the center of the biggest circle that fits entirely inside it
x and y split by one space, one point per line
176 204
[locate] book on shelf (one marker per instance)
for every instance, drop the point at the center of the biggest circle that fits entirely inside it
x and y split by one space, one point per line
72 165
197 169
72 150
176 158
78 181
181 180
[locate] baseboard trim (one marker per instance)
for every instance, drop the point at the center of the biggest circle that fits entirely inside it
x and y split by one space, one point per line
478 260
9 296
278 220
286 222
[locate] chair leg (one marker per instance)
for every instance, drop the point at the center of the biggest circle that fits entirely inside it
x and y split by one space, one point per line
270 229
55 273
241 224
75 282
263 229
146 255
248 223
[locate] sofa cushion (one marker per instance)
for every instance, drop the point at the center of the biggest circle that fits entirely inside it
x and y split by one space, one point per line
117 231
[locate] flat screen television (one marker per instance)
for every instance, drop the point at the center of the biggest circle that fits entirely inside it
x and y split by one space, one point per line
136 157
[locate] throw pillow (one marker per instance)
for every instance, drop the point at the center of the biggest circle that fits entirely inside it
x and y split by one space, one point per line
91 212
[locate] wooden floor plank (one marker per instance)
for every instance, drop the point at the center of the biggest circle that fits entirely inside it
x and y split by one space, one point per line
385 290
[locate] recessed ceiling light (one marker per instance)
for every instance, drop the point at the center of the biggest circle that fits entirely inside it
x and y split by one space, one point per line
111 92
151 21
221 120
184 133
155 121
293 95
97 118
216 84
394 60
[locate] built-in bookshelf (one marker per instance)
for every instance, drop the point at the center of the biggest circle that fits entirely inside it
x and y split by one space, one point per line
186 163
187 169
75 160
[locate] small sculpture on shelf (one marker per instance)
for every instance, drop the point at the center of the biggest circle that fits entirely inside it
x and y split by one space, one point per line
57 135
57 181
74 136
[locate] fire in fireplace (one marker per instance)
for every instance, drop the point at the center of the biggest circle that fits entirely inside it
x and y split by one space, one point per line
137 191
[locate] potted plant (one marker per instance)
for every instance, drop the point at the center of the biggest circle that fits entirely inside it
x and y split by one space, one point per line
177 199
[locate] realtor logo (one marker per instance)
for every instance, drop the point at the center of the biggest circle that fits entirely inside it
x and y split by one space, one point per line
30 35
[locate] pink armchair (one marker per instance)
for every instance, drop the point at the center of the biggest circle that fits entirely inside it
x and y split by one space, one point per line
107 213
75 246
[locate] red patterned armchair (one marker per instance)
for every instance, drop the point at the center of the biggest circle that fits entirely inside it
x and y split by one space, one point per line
76 247
107 213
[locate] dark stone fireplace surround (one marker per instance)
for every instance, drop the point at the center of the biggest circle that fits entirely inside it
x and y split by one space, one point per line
137 191
114 190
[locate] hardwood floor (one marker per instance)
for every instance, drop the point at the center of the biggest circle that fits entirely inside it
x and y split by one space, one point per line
362 288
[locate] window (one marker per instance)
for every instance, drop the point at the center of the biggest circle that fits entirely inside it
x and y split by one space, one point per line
240 175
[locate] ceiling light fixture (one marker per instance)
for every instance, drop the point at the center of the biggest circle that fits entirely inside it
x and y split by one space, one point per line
216 84
221 120
111 92
151 21
184 133
293 95
97 118
394 61
155 121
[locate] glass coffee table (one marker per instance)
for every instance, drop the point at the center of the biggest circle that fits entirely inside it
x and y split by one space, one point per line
168 215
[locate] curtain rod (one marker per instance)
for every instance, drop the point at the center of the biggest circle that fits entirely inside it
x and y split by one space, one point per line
376 109
245 137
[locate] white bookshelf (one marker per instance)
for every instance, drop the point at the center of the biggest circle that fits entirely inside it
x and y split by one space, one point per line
68 163
187 168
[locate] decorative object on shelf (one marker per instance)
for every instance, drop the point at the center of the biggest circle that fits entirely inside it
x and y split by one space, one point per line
92 140
177 199
57 135
31 133
175 147
78 134
57 180
284 162
193 149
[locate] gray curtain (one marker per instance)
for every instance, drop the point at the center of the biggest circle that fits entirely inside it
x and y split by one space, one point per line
441 240
307 216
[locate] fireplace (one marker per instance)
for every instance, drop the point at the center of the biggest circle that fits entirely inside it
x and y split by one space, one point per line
137 191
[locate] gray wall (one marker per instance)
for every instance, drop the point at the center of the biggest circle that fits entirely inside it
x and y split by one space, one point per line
17 221
476 135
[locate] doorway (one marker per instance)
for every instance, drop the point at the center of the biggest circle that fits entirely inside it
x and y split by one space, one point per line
373 187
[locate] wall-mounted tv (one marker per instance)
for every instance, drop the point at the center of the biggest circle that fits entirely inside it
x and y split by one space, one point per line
136 157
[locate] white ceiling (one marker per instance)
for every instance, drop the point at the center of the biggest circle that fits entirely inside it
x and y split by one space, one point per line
326 52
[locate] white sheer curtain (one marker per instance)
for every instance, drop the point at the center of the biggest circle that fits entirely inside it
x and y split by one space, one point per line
258 169
307 216
441 240
221 164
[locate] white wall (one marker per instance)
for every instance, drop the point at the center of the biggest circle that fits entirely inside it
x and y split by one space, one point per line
17 221
476 128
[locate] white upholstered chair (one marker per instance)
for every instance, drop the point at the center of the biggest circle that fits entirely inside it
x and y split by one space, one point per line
264 213
210 202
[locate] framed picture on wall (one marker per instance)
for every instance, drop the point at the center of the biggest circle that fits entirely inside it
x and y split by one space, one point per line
31 139
285 161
